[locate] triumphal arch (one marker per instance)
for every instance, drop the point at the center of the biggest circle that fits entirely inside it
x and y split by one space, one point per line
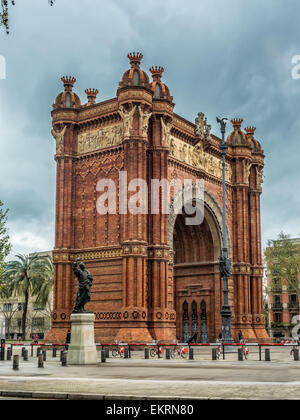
156 277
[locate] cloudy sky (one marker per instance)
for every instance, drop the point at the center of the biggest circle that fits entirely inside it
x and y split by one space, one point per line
228 58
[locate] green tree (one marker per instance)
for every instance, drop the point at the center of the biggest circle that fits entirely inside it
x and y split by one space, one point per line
29 275
5 246
283 260
4 13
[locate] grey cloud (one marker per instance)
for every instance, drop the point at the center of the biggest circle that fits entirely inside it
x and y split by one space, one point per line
228 58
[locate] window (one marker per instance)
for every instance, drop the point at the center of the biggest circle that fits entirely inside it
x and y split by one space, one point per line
157 93
276 281
277 317
7 307
20 306
277 300
136 78
68 100
38 322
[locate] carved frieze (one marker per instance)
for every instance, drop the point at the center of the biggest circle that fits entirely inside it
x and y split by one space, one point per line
197 157
100 139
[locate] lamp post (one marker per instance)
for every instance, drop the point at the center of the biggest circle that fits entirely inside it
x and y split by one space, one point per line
224 261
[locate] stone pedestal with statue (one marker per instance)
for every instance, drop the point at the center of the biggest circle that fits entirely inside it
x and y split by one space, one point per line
82 350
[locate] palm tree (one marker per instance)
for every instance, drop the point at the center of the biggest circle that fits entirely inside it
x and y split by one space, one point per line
29 275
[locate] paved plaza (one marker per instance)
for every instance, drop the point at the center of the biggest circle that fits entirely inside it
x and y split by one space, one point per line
137 378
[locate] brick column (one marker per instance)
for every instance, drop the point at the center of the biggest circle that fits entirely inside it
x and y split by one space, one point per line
162 317
258 319
63 291
241 252
134 313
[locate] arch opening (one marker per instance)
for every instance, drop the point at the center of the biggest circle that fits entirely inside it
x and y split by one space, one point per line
197 283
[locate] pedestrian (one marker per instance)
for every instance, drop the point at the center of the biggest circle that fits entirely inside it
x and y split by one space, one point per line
68 339
193 338
240 336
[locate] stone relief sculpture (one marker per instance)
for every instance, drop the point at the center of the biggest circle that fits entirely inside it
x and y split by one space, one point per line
99 139
200 125
144 121
59 137
259 176
166 132
195 156
247 169
127 117
207 134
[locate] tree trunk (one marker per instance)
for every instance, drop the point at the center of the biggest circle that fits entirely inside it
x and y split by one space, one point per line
25 316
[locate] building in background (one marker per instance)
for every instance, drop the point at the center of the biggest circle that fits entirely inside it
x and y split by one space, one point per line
38 319
283 301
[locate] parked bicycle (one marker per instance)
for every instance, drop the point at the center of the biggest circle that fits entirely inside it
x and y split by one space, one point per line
118 351
180 352
295 347
245 349
219 349
154 351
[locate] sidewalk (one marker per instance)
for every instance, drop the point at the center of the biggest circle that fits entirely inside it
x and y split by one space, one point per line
150 379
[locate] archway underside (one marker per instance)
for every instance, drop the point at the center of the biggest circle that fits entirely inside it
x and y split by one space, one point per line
197 279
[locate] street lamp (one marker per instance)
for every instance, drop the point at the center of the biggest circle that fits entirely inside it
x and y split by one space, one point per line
224 261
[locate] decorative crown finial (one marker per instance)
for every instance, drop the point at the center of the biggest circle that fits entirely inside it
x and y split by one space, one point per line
237 122
135 59
157 72
68 82
92 95
250 130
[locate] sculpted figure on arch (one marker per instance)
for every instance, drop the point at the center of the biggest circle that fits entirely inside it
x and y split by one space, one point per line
127 117
59 137
144 121
166 132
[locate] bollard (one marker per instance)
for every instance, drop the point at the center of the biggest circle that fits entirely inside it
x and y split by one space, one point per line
296 354
8 356
107 353
240 355
103 358
146 353
191 353
126 353
61 355
54 352
40 361
25 355
16 362
267 355
168 354
45 355
214 354
64 358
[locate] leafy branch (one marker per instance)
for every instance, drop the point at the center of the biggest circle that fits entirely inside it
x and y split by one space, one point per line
4 13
